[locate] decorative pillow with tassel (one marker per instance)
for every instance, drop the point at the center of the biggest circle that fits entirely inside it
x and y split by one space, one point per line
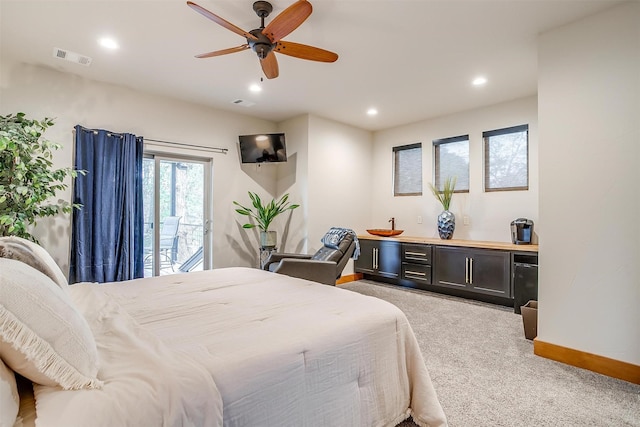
43 337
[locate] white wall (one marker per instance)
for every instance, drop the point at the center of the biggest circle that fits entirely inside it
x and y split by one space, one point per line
293 179
489 213
327 173
332 169
339 179
41 92
589 112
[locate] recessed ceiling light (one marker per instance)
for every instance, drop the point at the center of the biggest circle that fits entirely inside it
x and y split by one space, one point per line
255 87
108 43
479 81
372 111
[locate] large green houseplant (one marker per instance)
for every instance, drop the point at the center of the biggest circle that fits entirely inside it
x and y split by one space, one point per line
446 219
263 215
28 182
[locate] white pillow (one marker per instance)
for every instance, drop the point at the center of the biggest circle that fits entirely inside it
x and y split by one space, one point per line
42 335
9 398
31 253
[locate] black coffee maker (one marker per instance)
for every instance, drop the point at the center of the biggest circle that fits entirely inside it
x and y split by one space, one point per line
521 231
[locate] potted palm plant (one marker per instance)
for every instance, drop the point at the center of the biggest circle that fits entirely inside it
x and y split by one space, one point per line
446 219
263 215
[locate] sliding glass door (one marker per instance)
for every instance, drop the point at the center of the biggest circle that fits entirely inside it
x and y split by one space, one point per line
177 214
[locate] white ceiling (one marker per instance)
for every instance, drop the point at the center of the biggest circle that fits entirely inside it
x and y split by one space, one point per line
411 60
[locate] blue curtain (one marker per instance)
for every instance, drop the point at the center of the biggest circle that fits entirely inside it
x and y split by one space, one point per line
107 239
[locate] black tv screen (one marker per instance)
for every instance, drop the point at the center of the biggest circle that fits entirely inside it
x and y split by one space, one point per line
263 148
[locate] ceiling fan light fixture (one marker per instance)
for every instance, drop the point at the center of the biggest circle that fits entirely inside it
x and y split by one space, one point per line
255 87
262 49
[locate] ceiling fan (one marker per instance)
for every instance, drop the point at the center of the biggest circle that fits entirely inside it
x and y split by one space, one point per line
264 41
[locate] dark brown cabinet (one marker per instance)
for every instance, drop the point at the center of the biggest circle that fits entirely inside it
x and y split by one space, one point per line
483 271
379 258
416 265
505 276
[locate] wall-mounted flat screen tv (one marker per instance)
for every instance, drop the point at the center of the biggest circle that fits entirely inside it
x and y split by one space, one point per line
263 148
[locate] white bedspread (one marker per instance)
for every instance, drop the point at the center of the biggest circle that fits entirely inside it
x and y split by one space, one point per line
282 351
146 382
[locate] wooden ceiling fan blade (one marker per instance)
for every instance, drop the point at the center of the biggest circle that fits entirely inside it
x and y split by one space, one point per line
288 20
223 51
304 51
270 66
220 21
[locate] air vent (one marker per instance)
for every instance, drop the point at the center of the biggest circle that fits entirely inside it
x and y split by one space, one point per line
243 102
67 55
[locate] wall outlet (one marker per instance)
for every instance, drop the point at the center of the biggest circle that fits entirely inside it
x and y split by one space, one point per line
419 219
465 220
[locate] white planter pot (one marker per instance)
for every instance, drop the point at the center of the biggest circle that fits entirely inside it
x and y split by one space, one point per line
268 239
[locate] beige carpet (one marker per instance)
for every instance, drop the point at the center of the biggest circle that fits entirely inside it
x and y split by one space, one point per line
485 372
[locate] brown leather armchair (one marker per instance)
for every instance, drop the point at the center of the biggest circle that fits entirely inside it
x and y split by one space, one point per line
325 266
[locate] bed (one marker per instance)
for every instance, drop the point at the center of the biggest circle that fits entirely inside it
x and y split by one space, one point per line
239 347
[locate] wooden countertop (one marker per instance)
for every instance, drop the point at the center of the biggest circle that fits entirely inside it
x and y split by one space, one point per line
505 246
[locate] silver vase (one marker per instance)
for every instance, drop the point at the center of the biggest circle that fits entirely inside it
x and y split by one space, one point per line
446 224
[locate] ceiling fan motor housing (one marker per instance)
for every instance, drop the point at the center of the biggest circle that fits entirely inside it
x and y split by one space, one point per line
262 46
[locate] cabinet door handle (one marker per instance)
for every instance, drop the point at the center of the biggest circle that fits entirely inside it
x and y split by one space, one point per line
466 270
471 271
422 254
414 273
375 258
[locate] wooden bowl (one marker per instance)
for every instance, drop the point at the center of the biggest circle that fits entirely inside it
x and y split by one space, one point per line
384 232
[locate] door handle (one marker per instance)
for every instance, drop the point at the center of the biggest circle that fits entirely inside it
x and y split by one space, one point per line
422 254
466 270
375 258
414 273
471 271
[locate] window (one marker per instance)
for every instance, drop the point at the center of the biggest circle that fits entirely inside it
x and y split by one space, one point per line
451 158
176 211
506 159
407 170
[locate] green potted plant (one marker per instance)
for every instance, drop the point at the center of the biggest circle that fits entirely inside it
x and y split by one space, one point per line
28 182
446 219
263 215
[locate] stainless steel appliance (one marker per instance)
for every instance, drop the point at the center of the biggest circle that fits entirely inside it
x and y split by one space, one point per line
521 231
525 279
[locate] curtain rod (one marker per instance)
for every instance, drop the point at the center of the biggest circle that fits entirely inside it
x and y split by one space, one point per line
180 144
199 147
